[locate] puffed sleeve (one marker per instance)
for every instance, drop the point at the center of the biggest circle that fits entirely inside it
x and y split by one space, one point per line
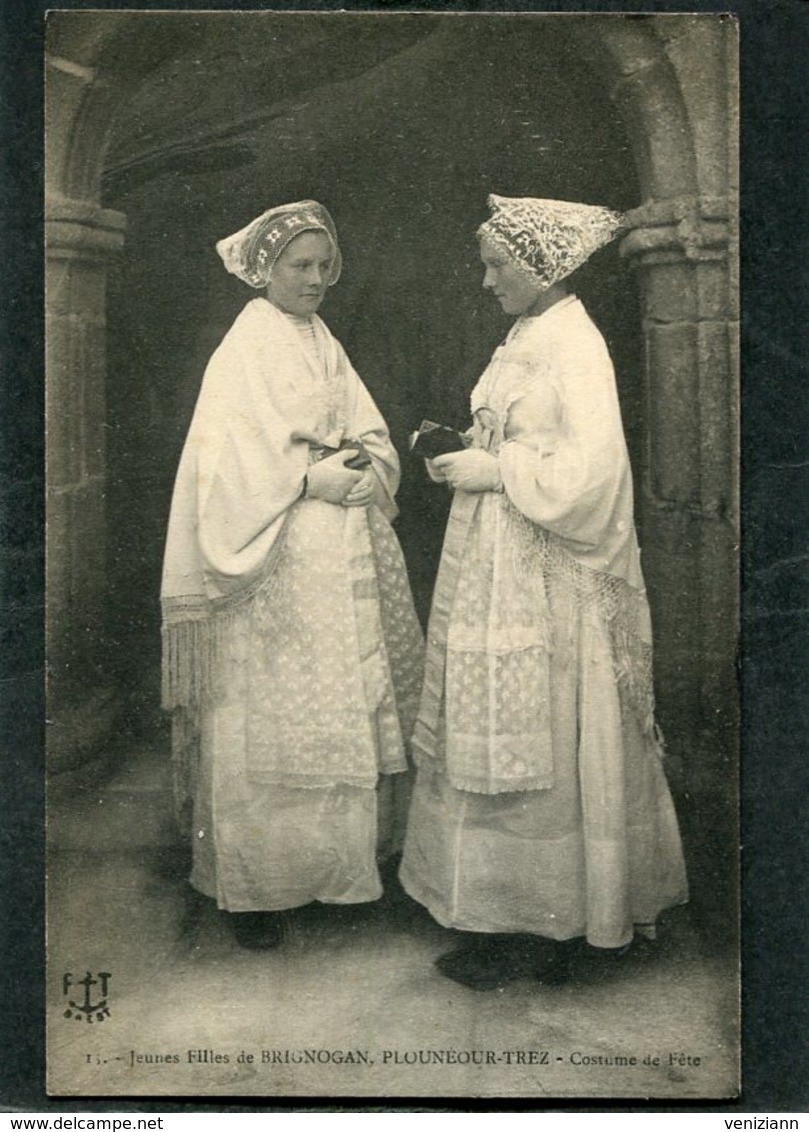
564 454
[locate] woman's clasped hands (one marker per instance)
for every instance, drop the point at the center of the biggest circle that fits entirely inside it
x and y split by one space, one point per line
474 469
331 481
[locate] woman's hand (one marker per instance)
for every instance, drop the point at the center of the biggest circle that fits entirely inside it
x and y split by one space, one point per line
330 480
435 474
362 493
471 470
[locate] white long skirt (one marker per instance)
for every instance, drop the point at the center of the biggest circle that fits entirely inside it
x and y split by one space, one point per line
595 855
301 785
269 848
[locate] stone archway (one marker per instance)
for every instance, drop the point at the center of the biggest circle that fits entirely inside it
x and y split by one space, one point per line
91 67
672 80
80 238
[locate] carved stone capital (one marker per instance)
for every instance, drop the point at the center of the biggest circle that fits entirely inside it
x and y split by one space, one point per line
76 229
683 228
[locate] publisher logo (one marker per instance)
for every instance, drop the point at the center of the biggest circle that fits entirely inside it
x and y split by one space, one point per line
87 998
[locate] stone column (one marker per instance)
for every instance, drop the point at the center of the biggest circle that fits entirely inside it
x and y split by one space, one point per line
685 250
80 239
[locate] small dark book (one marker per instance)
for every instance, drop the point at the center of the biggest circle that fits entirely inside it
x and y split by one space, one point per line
356 463
433 440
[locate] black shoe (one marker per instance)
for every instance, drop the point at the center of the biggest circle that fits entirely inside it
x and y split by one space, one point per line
477 967
554 965
258 931
497 960
491 961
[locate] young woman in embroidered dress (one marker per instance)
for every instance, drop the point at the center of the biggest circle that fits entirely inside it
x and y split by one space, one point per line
292 654
541 816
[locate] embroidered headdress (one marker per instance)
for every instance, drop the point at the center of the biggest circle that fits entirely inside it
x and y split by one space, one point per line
547 239
251 252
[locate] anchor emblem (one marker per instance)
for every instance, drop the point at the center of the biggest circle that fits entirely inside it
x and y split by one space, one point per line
87 1011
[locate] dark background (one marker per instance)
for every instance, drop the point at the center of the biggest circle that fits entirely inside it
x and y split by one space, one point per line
774 47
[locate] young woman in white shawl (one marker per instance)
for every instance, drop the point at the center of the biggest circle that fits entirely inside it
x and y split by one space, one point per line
541 816
292 655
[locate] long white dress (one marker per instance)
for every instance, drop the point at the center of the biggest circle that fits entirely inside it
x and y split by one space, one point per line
540 803
292 653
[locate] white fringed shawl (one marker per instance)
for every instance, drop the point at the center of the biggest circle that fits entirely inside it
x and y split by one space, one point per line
231 563
260 408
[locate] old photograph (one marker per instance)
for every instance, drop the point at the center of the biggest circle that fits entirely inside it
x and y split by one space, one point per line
392 554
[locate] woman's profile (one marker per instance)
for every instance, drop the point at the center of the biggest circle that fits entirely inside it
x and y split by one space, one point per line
541 816
292 654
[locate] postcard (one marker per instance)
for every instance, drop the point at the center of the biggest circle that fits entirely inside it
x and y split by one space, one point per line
392 777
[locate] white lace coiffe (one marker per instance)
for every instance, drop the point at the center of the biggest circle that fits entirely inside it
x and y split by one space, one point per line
547 239
250 253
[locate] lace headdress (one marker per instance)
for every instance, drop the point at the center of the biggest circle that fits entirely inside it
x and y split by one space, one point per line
251 252
547 239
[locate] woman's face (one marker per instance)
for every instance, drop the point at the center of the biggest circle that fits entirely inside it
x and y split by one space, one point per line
517 295
300 275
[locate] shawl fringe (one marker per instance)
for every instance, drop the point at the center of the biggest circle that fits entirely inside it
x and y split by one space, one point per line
622 607
191 652
195 634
